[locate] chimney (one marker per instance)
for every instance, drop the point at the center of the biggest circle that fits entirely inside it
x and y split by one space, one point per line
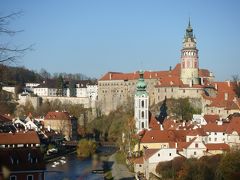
110 76
191 83
201 81
216 86
183 124
219 123
225 96
229 83
176 145
161 127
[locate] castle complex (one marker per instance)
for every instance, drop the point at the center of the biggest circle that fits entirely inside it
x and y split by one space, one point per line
185 80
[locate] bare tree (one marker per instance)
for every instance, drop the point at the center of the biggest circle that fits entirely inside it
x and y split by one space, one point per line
236 82
9 54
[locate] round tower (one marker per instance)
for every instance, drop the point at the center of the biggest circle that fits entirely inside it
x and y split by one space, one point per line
141 104
189 58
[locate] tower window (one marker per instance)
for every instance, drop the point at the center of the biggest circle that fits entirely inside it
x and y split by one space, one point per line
142 124
142 114
142 103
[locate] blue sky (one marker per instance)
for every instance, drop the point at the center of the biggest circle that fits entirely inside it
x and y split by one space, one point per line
96 36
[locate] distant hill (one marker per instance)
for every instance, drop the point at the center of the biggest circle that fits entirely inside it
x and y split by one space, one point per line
17 75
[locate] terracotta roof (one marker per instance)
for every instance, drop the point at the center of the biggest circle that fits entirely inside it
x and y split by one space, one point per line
29 137
218 146
234 125
57 116
224 89
157 136
135 75
170 81
211 118
181 146
153 123
197 132
138 160
213 127
149 153
169 124
204 73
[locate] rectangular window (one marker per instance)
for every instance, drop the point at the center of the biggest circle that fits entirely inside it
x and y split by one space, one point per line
215 139
30 177
13 177
170 154
195 153
196 145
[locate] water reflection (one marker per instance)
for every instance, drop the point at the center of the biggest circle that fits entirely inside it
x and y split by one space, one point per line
71 168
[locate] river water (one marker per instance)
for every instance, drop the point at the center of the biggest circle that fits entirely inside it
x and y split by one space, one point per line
71 168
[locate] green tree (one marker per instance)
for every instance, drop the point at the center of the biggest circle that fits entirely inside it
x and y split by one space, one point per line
60 86
183 109
229 167
86 148
72 89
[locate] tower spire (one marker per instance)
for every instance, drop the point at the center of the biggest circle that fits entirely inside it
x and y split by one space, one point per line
189 22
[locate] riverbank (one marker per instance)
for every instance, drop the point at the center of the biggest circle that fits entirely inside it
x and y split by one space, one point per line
58 155
118 170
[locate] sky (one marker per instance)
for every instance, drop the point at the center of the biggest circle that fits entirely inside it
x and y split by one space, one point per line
96 36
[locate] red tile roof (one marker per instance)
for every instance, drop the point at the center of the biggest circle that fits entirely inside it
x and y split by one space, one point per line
57 116
138 160
213 127
153 123
182 145
204 73
211 118
29 137
197 132
224 88
218 146
157 136
149 153
234 125
149 74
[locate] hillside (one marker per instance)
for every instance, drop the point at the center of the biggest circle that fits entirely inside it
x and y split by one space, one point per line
17 75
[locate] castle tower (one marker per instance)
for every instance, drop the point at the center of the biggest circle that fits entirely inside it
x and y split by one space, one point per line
189 58
141 105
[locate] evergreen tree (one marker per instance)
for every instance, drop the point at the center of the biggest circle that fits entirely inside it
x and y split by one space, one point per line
60 86
72 89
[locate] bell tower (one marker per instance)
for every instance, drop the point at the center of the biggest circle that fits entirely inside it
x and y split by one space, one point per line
141 105
189 58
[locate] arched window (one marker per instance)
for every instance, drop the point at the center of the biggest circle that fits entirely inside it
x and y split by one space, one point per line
142 103
142 114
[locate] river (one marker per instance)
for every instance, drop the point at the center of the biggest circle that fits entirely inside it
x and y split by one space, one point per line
71 168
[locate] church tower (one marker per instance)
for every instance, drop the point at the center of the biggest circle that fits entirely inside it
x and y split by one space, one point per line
189 58
141 105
